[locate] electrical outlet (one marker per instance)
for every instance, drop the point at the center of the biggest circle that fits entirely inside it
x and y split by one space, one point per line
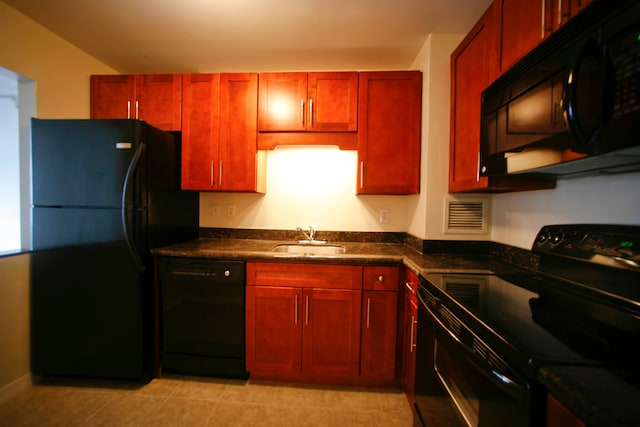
231 211
384 216
215 211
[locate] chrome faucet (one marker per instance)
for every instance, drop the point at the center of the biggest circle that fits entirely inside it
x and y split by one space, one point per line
310 235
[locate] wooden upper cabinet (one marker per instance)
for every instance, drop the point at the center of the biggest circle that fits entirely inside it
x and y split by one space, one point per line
472 65
112 96
219 148
154 98
521 28
389 133
313 102
523 24
282 102
243 168
333 102
200 123
159 98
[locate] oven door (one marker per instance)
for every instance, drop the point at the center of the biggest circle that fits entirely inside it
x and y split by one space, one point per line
458 384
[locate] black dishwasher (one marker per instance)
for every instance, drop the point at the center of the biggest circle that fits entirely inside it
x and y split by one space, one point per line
202 317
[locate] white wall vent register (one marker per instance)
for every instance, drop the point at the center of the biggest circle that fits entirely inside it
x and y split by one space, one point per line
465 216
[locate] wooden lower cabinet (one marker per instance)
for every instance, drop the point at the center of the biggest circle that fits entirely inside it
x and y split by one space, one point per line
559 416
308 329
409 334
379 332
315 323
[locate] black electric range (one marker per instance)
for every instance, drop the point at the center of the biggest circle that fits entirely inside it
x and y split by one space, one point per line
580 308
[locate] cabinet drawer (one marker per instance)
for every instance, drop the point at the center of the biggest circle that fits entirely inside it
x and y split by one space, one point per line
300 275
381 278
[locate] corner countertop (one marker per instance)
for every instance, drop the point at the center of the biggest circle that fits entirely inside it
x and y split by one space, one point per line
356 252
595 395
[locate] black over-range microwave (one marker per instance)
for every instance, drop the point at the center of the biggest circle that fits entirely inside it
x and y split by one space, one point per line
571 107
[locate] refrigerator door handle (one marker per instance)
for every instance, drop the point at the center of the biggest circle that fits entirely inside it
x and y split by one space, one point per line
126 225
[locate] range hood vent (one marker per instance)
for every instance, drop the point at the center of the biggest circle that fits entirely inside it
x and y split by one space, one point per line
468 216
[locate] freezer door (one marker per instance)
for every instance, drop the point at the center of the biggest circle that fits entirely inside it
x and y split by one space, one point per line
90 313
83 162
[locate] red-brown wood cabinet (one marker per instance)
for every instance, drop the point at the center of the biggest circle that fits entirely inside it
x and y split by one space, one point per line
559 416
316 108
409 333
523 24
154 98
303 321
474 65
219 145
389 132
313 102
379 323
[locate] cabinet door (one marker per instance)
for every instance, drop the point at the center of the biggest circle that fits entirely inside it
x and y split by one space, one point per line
522 27
159 100
389 114
409 333
238 134
112 97
558 12
273 330
471 73
332 102
379 334
200 118
331 333
282 101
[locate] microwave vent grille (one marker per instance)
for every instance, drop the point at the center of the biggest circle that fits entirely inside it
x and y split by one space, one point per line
466 216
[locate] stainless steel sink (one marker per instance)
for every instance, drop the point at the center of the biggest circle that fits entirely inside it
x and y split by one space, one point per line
309 249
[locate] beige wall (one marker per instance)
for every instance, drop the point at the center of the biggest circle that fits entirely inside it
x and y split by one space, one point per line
60 70
61 73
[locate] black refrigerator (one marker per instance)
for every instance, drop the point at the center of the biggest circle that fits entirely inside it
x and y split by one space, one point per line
104 192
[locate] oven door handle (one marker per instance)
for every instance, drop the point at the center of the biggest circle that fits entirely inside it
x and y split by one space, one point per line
501 379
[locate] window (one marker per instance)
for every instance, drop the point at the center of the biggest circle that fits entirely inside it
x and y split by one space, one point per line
17 106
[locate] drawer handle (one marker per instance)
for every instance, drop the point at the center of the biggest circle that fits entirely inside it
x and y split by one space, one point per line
381 278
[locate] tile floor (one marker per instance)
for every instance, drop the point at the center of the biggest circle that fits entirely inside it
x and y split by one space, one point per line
178 401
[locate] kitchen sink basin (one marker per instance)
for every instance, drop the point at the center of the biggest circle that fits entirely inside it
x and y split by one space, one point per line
309 249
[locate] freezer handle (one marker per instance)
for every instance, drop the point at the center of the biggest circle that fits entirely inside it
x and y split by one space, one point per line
127 225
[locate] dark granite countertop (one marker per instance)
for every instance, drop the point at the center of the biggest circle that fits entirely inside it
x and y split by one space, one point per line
593 394
356 252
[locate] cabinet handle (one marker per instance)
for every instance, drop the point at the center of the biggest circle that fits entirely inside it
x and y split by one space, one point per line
409 287
361 174
543 19
128 109
137 106
311 112
381 278
212 175
295 312
302 111
412 345
220 175
368 312
306 314
559 13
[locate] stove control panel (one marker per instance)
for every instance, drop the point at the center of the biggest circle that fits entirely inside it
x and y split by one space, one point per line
615 245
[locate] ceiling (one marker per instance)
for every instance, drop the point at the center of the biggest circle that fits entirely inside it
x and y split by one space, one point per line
177 36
